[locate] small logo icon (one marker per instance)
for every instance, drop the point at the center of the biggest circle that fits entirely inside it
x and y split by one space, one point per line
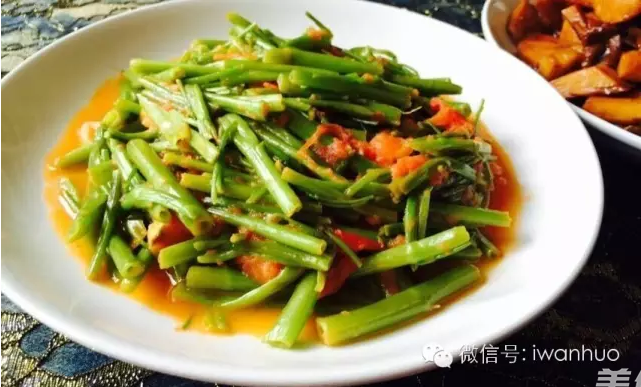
429 350
443 359
435 353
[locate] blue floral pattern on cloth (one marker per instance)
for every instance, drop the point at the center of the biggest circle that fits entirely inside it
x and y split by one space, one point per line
601 310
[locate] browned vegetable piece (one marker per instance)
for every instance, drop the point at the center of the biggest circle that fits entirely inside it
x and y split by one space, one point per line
547 56
616 11
629 68
613 52
568 36
566 59
598 28
591 53
523 21
576 19
547 67
549 13
595 80
619 110
588 27
535 47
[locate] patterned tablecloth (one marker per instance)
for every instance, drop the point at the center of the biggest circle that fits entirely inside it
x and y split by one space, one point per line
601 311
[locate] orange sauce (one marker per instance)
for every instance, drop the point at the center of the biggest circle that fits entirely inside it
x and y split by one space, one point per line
507 196
153 291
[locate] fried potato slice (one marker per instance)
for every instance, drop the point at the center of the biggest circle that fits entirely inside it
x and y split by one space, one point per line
629 68
616 11
620 110
524 20
590 81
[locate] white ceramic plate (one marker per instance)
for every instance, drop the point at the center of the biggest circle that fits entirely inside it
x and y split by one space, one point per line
494 20
552 153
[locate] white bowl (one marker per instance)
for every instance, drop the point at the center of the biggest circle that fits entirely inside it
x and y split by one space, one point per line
552 154
494 19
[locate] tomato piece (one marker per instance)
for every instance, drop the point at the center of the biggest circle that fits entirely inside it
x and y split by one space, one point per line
335 152
342 146
341 269
168 234
386 149
407 164
258 269
448 118
358 242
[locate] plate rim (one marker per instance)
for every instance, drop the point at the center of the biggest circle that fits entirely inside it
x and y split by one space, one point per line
608 128
149 359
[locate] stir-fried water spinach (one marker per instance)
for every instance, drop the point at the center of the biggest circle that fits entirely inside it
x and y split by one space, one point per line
262 169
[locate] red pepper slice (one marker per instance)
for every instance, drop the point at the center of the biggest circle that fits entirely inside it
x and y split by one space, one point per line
358 242
341 269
